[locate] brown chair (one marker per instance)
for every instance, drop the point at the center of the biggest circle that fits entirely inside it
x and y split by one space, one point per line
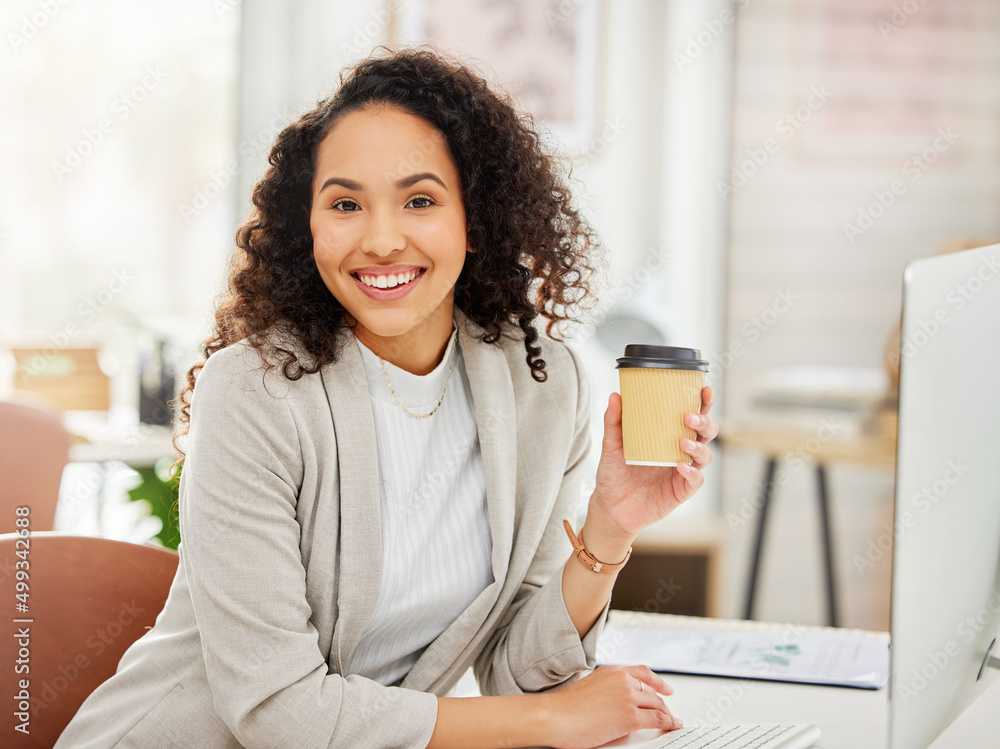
88 599
34 448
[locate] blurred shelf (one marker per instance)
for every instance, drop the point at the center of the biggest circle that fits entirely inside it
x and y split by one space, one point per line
820 445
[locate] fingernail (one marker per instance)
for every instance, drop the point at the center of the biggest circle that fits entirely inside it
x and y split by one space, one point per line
690 445
695 419
680 723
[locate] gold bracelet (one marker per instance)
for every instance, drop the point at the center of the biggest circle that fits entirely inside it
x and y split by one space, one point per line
588 559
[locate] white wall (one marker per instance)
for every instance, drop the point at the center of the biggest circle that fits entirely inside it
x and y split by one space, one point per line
885 89
888 95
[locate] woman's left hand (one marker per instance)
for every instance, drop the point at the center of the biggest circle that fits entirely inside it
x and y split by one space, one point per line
628 498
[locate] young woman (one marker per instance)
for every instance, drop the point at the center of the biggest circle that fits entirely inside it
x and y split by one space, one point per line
381 451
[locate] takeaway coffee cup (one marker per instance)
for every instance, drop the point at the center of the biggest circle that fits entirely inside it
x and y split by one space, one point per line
659 384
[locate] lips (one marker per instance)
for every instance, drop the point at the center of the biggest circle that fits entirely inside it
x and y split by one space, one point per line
385 278
387 294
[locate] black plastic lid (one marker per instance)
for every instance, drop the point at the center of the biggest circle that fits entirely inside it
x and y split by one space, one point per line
661 357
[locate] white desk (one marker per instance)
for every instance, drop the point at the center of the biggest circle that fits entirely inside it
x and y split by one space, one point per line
139 446
848 718
108 446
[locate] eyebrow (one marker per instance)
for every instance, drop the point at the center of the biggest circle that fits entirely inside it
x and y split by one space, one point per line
401 184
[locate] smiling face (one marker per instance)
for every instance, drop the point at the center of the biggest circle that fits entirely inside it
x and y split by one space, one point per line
389 232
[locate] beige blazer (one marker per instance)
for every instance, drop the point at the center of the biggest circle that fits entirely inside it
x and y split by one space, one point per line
281 551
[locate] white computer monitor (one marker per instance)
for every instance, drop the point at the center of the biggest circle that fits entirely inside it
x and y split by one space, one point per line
946 557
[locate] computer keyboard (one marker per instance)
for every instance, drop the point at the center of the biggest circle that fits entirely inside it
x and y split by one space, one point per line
740 736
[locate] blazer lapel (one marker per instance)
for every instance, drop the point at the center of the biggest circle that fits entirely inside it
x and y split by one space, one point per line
360 541
494 407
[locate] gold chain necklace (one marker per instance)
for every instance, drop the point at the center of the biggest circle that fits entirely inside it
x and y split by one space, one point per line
454 358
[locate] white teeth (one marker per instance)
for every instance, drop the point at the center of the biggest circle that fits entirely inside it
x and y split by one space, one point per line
390 281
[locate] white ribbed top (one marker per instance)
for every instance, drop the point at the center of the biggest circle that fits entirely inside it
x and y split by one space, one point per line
436 543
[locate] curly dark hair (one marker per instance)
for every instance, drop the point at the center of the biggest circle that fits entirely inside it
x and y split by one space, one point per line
532 246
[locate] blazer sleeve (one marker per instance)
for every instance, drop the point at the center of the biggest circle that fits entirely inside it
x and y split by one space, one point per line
240 550
536 646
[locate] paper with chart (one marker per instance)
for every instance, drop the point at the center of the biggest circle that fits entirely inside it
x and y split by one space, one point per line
811 655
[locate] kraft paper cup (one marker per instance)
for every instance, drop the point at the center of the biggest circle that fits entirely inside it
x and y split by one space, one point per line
659 384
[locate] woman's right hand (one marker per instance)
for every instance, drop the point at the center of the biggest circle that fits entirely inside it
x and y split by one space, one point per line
607 704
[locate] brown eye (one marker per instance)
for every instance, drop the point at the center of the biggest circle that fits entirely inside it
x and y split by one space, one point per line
336 206
423 197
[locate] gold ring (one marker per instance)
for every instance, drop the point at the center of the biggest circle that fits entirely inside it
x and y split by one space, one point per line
642 686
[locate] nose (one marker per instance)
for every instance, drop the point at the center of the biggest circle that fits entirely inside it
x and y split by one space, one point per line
382 235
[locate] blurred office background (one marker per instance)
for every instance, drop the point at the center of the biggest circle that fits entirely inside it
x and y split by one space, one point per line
760 172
